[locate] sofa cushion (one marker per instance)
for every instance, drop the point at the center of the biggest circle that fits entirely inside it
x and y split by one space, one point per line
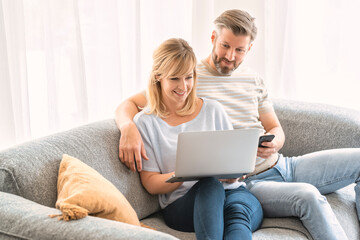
308 127
280 232
83 191
342 202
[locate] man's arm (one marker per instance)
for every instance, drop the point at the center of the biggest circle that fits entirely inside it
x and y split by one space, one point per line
131 146
271 123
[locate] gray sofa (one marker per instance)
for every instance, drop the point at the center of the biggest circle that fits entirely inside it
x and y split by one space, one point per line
28 178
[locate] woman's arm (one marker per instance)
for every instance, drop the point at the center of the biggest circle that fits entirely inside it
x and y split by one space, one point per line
155 182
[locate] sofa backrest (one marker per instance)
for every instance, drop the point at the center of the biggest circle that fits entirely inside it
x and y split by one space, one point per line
30 170
311 127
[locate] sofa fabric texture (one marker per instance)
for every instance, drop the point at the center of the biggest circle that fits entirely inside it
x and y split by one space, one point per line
25 219
28 179
31 170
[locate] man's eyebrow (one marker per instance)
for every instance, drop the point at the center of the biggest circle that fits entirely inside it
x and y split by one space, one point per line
225 42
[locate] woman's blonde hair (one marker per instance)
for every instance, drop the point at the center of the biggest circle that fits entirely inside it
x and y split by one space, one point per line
174 57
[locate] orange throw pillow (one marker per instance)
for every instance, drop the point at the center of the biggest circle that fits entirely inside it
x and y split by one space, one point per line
83 191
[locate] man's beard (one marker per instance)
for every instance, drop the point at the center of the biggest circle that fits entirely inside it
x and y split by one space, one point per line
223 70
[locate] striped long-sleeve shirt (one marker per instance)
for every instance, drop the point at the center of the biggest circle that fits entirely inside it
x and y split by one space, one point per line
243 96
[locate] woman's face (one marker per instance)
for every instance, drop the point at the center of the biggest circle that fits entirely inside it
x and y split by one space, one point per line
175 89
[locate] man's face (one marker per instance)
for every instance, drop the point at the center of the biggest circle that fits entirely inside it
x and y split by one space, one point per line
229 50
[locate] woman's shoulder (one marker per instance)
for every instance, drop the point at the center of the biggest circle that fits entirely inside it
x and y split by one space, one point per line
212 104
143 117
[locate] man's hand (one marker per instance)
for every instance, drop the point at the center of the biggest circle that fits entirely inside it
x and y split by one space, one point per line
272 126
131 147
269 149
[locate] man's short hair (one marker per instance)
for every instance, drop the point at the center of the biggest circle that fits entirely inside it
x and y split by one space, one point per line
238 21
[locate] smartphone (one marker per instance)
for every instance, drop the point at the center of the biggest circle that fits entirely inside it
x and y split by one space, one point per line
265 138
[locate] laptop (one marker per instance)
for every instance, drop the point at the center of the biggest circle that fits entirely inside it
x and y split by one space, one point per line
222 154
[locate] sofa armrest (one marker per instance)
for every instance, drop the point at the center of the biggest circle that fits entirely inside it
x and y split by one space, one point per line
22 218
31 169
311 127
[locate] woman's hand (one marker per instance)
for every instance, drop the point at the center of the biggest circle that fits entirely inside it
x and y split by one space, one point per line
131 147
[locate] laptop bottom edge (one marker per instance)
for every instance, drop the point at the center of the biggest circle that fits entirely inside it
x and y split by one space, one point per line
196 178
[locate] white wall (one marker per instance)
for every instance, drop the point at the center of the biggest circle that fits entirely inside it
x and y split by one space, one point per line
6 118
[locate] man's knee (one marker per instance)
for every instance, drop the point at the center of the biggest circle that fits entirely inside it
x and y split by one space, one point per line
308 199
309 193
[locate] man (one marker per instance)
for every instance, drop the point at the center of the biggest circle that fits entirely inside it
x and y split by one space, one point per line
285 186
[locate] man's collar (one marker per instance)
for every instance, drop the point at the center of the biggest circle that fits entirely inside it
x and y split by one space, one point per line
211 70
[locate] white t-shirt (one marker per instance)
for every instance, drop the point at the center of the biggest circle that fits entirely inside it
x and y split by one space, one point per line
160 142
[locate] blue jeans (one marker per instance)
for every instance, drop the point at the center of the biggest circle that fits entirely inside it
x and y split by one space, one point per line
215 213
294 187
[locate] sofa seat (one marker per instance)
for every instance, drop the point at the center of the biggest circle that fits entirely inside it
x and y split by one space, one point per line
341 201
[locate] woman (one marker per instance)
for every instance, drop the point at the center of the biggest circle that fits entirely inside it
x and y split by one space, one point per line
213 209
